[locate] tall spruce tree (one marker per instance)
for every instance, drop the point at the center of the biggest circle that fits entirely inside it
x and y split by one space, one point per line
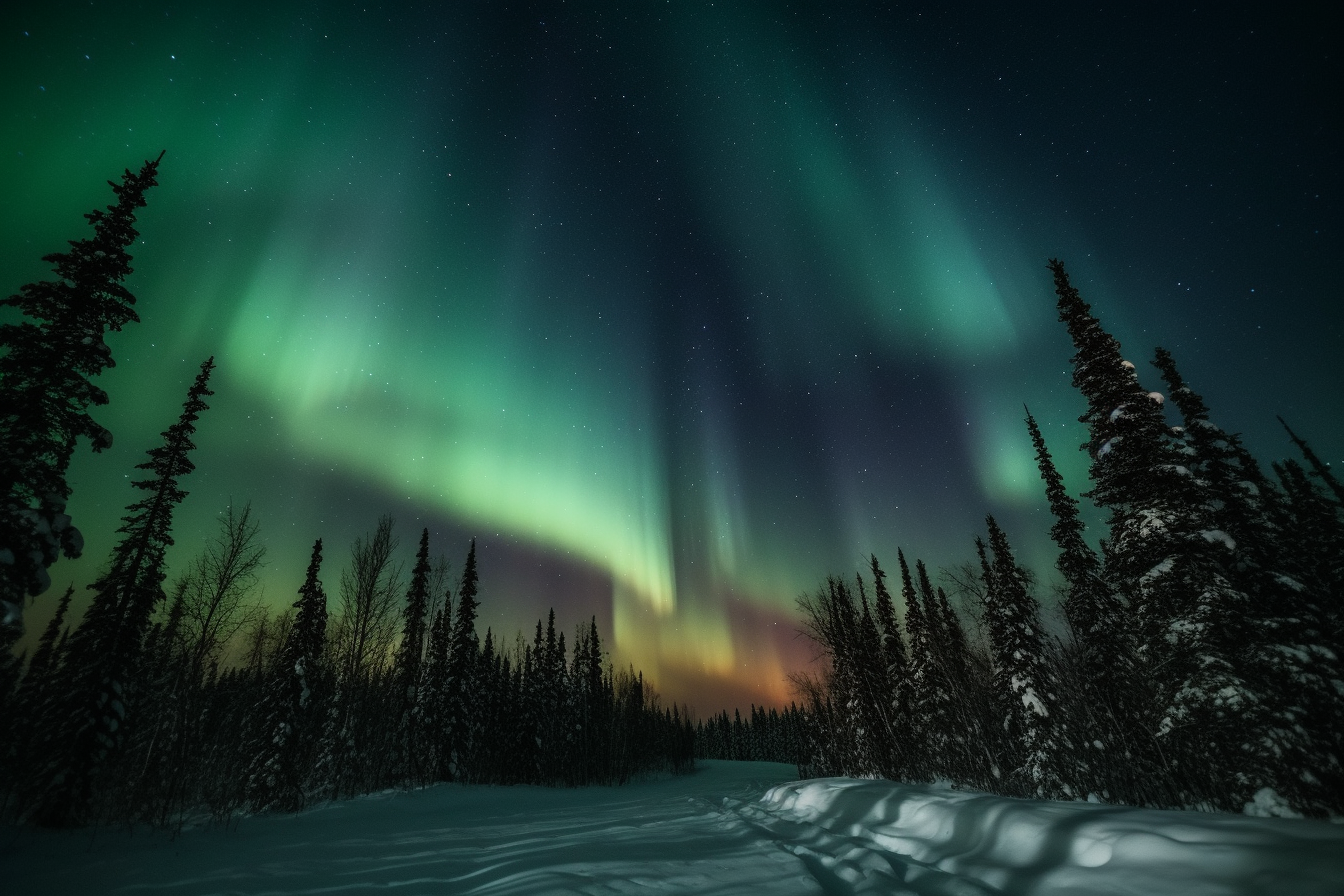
1022 677
875 688
432 696
1109 760
46 361
1139 477
275 776
104 649
34 690
893 648
897 668
406 667
917 692
1288 656
1135 468
1093 611
944 715
1168 558
463 661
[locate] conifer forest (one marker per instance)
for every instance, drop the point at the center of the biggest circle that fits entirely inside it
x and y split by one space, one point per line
128 715
1197 663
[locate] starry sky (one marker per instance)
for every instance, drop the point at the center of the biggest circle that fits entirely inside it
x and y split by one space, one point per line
676 308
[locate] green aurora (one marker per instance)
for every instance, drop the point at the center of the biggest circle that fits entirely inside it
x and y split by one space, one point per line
675 309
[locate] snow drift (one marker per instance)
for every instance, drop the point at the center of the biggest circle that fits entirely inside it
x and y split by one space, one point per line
729 828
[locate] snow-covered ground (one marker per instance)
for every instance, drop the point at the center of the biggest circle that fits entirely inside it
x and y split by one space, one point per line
732 827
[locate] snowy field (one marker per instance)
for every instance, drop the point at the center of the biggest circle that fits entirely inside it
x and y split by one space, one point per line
730 828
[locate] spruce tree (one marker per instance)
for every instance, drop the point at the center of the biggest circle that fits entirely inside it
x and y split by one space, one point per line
464 654
893 648
547 699
19 710
1167 558
1110 756
1135 468
916 692
944 712
1286 654
406 667
897 668
432 697
1091 607
875 688
45 657
46 361
275 776
1321 469
104 649
1023 678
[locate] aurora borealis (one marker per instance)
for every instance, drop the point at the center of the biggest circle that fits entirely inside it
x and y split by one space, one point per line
676 308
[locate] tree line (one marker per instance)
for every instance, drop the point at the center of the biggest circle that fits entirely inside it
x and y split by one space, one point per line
766 735
137 714
1202 662
391 688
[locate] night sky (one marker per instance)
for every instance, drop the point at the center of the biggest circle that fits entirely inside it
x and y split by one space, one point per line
675 307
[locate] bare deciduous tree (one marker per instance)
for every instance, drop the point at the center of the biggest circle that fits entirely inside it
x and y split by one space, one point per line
217 589
371 591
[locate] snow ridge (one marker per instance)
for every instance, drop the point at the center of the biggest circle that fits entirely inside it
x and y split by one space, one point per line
728 828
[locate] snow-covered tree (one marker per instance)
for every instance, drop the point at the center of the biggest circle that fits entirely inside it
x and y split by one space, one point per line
1094 613
1167 557
897 667
1023 680
875 687
1290 655
1110 748
924 691
275 777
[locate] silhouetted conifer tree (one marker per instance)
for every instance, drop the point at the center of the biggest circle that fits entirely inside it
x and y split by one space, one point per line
407 665
464 653
919 691
1321 469
46 361
1287 656
275 776
29 698
104 649
1110 753
897 668
1167 557
875 688
1022 677
944 713
432 695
